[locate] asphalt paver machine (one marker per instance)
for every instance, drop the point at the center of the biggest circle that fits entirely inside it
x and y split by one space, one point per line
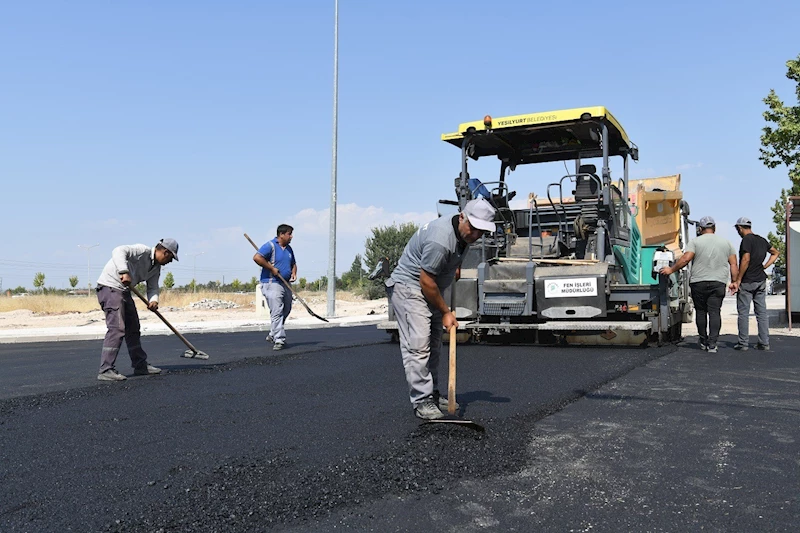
571 265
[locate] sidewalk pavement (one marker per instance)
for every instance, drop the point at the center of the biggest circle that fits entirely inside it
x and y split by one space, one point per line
775 305
98 330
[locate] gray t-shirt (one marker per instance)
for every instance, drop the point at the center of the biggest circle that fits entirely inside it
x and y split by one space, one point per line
435 249
711 253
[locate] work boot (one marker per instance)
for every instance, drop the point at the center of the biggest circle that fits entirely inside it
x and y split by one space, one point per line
441 401
427 409
762 347
741 347
278 346
110 375
146 370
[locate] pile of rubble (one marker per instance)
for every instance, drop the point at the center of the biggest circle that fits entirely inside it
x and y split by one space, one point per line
210 304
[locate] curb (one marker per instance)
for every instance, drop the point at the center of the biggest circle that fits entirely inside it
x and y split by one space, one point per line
99 332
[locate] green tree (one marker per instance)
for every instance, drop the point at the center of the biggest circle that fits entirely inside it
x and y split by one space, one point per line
302 283
353 277
73 281
389 242
169 281
38 280
236 285
780 145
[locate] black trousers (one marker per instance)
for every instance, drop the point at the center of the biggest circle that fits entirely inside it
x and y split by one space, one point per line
707 297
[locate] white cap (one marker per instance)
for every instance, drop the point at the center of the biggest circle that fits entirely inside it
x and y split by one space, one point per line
480 214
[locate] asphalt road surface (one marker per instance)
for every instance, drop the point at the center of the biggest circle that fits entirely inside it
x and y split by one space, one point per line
321 437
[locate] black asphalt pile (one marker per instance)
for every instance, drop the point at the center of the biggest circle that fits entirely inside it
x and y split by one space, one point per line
249 494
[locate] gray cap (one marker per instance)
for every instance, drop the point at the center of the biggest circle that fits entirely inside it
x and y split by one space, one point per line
743 221
706 222
480 214
171 245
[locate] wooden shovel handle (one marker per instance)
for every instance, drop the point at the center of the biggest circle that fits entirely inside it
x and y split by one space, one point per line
451 382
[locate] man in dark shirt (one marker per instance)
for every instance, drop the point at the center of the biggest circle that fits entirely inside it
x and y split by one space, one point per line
751 284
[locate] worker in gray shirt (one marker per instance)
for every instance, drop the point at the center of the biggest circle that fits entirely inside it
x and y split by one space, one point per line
714 264
129 265
429 265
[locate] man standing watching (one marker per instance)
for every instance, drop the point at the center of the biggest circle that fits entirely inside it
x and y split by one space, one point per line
129 265
712 258
751 284
277 257
428 266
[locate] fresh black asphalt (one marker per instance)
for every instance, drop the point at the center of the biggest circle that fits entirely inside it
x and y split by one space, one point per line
321 437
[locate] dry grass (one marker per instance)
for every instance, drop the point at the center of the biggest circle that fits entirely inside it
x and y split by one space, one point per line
50 304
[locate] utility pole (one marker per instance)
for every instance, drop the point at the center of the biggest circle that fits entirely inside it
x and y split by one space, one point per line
194 270
332 237
88 264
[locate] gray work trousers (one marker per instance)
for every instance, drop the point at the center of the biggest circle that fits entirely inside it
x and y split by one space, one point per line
420 331
755 292
279 300
122 321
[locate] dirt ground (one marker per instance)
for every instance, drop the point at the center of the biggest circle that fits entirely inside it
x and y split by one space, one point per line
24 318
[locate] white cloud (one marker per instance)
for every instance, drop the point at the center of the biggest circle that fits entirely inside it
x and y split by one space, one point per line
353 220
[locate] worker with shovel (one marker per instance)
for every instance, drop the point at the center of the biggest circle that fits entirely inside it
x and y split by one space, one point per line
427 266
276 259
129 265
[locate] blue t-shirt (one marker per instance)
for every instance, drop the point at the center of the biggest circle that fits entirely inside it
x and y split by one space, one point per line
283 259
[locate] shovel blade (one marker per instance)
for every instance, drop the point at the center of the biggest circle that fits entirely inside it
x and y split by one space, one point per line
194 355
454 419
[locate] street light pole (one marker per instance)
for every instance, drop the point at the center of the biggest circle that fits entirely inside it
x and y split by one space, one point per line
88 269
194 270
332 236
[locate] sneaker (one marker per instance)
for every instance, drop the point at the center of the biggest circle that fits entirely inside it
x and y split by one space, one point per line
712 349
146 370
441 401
110 375
702 346
762 347
427 410
270 339
278 346
741 347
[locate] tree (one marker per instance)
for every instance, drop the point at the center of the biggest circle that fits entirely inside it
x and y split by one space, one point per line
353 277
302 283
780 145
73 281
389 242
169 281
236 285
38 280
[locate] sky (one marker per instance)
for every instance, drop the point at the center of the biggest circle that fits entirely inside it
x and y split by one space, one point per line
126 122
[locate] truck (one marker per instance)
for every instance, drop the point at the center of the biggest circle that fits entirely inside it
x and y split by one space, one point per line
578 263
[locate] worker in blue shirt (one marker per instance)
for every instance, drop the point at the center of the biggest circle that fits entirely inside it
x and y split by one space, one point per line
276 259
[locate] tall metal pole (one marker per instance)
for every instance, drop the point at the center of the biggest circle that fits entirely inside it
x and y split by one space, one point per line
332 236
88 269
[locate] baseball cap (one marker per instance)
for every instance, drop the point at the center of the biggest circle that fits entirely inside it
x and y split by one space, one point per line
707 222
743 221
480 214
171 245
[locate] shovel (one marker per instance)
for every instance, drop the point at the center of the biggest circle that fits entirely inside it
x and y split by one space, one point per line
451 417
192 352
312 313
